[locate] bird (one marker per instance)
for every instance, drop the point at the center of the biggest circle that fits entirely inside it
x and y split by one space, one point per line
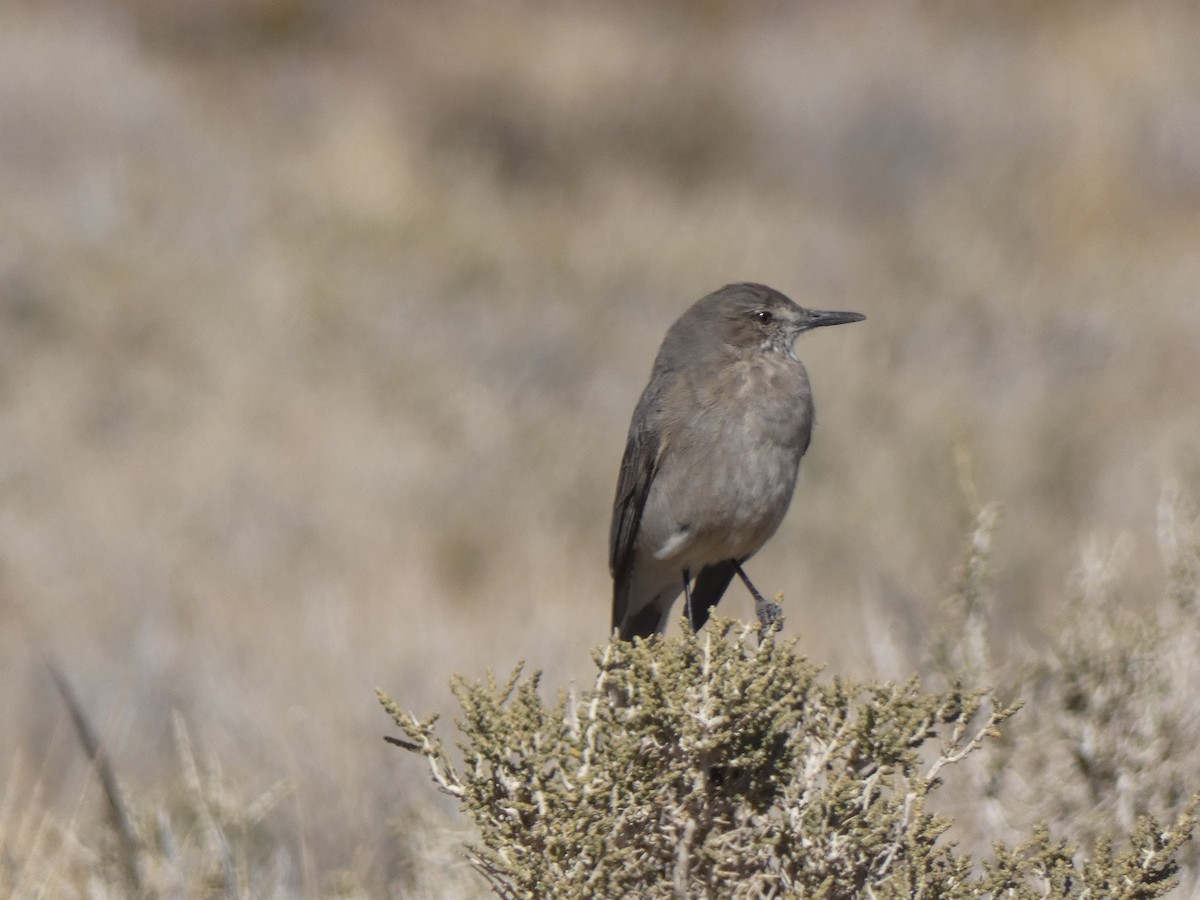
712 455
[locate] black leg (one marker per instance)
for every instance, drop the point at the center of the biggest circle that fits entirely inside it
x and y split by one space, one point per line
769 612
758 598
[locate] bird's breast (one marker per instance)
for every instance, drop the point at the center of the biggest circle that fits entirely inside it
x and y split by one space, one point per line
730 471
773 403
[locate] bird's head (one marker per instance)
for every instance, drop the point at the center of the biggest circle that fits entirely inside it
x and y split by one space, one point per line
749 316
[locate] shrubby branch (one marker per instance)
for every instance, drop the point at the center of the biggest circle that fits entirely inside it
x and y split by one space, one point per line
713 765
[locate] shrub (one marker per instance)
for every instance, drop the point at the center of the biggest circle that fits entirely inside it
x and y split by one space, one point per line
1112 731
711 765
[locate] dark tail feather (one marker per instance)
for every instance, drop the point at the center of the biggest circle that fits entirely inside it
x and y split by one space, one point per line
620 601
642 624
709 588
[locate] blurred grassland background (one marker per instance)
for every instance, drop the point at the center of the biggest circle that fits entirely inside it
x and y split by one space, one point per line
321 323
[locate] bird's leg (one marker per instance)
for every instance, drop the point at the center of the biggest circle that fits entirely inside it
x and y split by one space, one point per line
768 611
687 596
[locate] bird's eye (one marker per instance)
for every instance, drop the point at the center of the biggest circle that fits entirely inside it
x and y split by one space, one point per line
762 315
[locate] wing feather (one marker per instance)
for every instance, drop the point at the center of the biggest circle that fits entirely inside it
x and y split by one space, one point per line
638 468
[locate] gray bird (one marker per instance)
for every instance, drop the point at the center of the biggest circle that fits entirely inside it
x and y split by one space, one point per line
713 453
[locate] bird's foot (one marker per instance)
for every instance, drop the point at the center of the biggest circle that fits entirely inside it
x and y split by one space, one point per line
770 616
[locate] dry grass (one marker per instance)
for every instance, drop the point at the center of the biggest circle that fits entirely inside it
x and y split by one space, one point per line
320 326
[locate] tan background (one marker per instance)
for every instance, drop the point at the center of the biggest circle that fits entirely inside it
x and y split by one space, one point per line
321 324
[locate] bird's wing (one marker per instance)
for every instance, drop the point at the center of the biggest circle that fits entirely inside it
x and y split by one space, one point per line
638 468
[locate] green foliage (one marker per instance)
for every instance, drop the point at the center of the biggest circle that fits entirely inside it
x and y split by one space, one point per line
706 766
